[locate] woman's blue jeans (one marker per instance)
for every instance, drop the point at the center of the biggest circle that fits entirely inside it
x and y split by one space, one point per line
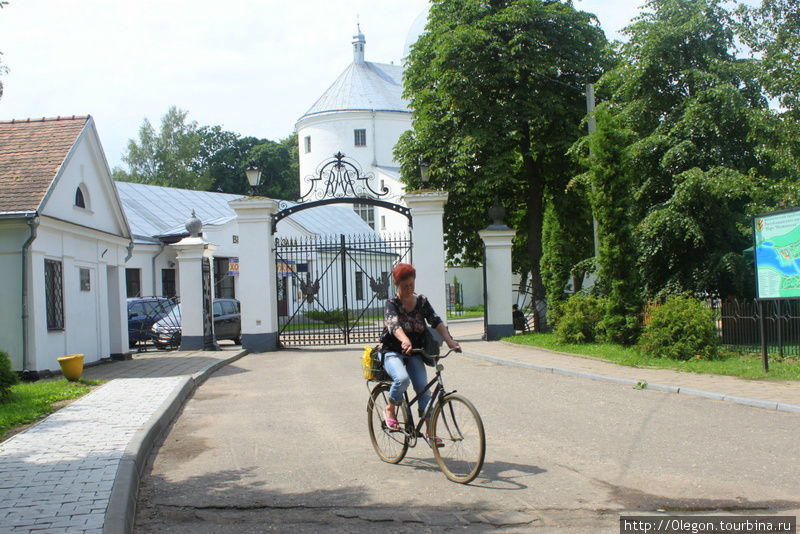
405 369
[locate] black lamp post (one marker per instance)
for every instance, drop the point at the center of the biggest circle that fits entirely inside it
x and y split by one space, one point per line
253 173
424 171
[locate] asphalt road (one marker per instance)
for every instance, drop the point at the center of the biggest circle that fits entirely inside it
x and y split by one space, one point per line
278 442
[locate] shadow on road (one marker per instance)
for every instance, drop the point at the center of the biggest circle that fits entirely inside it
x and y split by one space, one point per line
226 502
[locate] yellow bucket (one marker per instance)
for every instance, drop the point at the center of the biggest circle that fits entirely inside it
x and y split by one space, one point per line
71 366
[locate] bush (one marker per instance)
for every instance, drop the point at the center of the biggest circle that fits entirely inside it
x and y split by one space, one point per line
681 329
579 319
327 317
7 377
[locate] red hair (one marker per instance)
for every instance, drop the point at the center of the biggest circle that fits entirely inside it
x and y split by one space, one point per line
402 271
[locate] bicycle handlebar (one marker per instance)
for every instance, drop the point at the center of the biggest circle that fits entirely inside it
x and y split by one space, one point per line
439 356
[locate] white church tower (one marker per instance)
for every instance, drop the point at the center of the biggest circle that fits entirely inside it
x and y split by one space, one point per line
362 115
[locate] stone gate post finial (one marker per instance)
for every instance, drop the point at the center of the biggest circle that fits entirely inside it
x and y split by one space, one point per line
194 225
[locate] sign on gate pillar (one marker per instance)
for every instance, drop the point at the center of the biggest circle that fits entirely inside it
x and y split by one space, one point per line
191 252
499 299
427 236
257 282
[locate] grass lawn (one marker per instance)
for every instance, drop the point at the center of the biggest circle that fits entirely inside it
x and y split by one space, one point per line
27 402
468 312
730 363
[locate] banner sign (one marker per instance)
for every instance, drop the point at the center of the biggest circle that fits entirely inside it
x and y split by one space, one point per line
286 268
777 254
233 266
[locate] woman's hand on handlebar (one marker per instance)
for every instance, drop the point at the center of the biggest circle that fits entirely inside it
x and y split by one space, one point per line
453 344
406 346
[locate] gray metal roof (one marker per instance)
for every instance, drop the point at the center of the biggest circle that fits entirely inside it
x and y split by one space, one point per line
153 210
364 86
162 211
331 219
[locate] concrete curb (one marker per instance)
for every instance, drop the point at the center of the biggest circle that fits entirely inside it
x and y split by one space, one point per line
121 511
756 403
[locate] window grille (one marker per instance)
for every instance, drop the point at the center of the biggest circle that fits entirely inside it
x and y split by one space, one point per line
54 294
359 285
360 137
168 283
133 282
224 287
86 284
366 212
307 141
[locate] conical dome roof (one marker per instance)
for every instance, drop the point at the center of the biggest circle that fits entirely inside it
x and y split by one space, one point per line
363 86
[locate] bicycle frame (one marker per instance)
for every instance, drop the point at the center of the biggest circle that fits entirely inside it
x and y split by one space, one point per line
437 396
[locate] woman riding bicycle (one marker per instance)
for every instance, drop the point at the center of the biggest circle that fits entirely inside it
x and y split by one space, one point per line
404 318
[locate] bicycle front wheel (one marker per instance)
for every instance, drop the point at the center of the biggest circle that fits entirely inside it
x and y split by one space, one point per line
391 445
458 425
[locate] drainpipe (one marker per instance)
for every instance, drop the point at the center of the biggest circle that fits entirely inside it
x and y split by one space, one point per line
153 261
33 223
374 142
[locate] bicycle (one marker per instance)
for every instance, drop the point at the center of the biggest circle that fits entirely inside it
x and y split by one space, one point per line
454 421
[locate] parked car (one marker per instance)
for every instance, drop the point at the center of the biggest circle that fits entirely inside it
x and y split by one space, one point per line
143 313
227 324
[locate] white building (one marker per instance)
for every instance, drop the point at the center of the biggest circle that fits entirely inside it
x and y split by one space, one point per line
362 115
64 241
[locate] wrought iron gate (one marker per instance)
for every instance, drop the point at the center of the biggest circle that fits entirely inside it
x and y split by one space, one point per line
332 289
208 300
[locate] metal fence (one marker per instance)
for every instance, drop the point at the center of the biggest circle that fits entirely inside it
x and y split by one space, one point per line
154 323
455 298
738 324
333 289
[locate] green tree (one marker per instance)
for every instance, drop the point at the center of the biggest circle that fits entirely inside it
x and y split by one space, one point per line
3 68
496 90
566 241
696 114
611 180
186 155
280 168
171 157
773 31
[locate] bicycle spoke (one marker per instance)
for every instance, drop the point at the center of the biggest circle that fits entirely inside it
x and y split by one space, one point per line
459 427
391 445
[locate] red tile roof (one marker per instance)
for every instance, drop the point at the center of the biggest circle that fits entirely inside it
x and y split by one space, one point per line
31 153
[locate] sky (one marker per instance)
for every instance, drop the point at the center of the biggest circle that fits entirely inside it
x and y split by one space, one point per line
251 66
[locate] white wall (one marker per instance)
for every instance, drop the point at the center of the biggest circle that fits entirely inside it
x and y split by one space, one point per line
333 132
13 234
86 313
90 237
471 280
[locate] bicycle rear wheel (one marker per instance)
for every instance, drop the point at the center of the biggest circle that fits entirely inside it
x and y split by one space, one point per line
457 423
391 445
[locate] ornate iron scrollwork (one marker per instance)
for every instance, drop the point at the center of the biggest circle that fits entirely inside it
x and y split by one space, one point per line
340 177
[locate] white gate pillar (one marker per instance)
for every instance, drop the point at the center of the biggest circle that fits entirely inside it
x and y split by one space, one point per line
499 298
257 293
190 252
427 235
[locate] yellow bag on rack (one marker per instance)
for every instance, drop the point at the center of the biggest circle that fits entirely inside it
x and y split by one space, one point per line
371 364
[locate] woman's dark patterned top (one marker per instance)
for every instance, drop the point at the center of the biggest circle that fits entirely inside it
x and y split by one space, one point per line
412 323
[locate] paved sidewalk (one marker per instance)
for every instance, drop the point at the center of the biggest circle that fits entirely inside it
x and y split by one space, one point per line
78 470
769 394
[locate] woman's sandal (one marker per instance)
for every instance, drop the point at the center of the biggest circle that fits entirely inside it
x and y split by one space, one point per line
438 441
391 422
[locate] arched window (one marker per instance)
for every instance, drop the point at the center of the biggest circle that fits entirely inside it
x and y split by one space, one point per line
80 201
